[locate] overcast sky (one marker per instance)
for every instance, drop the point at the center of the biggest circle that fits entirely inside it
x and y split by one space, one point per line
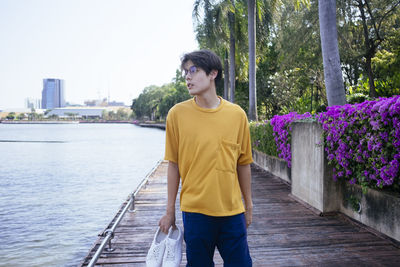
100 48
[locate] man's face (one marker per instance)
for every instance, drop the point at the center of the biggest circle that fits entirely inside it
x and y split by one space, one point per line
197 81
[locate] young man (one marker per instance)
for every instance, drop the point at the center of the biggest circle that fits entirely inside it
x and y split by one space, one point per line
208 145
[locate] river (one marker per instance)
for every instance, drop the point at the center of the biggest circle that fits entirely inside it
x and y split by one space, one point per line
61 184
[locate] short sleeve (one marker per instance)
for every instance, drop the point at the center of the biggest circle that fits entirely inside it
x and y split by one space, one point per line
245 146
171 138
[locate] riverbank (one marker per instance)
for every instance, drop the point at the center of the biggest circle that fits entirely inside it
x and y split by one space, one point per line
138 123
61 122
152 125
39 122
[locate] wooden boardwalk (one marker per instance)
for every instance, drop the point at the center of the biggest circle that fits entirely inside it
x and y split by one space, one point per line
283 233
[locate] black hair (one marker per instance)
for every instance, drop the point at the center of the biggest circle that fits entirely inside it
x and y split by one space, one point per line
206 60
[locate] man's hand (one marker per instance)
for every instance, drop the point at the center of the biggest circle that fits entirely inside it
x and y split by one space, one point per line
166 222
249 216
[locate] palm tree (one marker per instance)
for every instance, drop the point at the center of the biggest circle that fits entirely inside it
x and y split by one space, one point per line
226 76
330 53
214 33
265 10
232 48
251 9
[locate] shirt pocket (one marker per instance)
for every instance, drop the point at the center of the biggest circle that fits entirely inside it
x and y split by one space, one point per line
227 156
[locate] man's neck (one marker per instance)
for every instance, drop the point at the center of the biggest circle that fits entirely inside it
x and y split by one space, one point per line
209 101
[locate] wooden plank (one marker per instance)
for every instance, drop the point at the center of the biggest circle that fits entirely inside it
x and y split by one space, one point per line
283 233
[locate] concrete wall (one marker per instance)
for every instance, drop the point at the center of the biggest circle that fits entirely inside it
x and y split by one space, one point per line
274 165
311 176
379 210
313 184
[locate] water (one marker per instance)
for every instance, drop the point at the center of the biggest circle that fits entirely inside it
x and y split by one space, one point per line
55 198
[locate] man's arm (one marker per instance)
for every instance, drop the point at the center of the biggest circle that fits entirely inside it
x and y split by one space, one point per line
173 178
244 175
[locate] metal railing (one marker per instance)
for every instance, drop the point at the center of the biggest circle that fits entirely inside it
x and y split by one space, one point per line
108 233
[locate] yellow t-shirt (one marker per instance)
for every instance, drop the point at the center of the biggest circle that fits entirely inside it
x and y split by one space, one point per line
207 145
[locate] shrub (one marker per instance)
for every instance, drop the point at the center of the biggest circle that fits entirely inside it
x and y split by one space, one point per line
356 98
262 137
362 141
283 133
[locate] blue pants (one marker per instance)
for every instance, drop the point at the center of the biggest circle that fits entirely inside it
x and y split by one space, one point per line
203 233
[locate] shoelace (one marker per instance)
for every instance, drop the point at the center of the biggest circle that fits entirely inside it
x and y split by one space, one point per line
170 252
155 253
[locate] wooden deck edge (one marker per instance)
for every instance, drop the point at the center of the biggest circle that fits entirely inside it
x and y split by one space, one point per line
141 185
258 166
305 204
352 221
348 219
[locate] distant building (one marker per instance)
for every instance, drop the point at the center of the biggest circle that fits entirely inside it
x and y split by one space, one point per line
17 110
96 103
103 103
90 112
33 103
78 112
53 94
116 104
68 104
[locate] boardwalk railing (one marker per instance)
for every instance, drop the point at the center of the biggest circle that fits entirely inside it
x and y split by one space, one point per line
108 233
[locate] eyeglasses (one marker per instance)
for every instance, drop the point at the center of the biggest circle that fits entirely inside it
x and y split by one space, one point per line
192 70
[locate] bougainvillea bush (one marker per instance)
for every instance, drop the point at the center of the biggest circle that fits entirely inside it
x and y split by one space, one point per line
362 141
283 133
262 138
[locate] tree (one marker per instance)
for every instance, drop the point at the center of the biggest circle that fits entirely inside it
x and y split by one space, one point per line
226 76
175 93
232 49
367 29
121 115
71 115
252 60
330 53
32 115
11 116
373 32
145 105
155 101
213 30
293 52
288 55
386 66
53 117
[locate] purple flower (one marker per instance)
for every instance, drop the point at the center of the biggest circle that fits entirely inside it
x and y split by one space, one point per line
375 125
282 133
364 135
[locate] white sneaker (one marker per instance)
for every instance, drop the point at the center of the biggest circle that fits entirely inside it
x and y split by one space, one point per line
173 248
156 252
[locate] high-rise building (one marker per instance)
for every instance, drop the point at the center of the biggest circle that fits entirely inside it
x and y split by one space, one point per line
33 103
53 94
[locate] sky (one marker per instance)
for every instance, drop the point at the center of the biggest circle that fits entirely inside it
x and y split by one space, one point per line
100 48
